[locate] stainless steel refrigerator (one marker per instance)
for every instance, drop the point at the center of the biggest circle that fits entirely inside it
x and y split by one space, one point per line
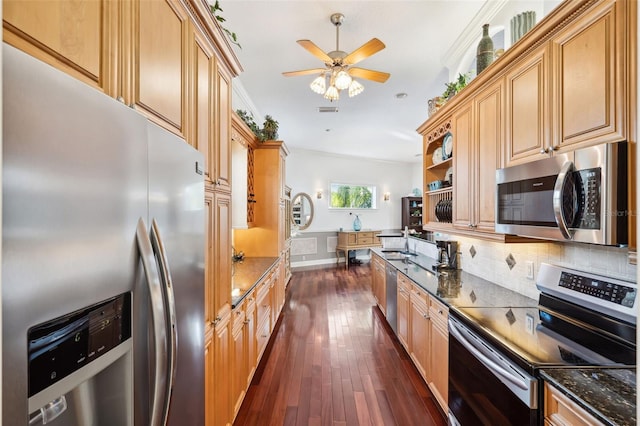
102 258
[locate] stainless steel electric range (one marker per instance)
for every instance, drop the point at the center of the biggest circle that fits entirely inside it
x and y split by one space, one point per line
496 353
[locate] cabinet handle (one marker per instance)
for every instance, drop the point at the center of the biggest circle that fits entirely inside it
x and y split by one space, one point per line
247 321
440 311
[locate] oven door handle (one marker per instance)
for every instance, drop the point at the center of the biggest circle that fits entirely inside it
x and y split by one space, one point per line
484 358
558 195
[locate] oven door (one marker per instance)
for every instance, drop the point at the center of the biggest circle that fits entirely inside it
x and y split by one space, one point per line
486 388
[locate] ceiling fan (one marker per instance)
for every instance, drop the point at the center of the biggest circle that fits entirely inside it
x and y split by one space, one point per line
338 66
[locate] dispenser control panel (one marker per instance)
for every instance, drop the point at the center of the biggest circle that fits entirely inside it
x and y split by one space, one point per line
63 345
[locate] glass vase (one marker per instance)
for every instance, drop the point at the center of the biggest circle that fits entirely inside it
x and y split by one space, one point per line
357 225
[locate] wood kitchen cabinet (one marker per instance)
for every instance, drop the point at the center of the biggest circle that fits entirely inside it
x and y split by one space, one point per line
403 309
378 281
464 196
250 335
209 401
438 371
220 246
559 410
222 133
528 123
222 415
203 116
156 58
238 357
478 135
267 237
590 84
79 38
420 330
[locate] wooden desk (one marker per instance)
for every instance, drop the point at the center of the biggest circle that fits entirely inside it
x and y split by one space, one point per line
355 240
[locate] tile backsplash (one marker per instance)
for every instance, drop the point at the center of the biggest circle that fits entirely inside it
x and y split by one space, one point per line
489 261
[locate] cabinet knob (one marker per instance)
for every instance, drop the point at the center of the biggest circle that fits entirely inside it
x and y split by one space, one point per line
555 147
425 316
544 151
247 321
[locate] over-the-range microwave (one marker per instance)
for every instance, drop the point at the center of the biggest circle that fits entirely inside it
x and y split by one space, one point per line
576 196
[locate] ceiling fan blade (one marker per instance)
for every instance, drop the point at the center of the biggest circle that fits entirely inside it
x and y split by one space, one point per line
315 50
369 48
377 76
304 72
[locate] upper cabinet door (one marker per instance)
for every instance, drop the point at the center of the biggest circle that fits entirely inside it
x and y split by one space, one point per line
463 167
528 122
158 60
222 144
489 107
77 37
203 125
588 68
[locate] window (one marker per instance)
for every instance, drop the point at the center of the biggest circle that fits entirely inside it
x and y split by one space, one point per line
347 196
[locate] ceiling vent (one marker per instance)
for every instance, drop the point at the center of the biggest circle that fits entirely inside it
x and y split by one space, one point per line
327 109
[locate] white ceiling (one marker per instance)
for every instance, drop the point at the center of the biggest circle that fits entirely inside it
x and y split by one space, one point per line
374 124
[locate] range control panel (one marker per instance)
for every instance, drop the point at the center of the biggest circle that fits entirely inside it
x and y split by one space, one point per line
615 293
63 345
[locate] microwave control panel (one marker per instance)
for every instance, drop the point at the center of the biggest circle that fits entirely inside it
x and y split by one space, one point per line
588 183
63 345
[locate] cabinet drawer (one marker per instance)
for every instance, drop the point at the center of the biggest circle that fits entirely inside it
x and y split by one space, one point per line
418 293
404 284
263 304
365 240
438 312
237 317
263 333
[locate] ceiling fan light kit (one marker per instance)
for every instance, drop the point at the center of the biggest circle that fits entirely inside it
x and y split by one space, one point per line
338 66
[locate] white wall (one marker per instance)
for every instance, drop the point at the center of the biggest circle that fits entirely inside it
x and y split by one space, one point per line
310 171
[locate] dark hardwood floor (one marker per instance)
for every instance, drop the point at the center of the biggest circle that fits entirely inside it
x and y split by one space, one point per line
333 360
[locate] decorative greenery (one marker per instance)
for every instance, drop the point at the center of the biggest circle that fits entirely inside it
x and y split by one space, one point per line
455 86
248 120
269 131
215 10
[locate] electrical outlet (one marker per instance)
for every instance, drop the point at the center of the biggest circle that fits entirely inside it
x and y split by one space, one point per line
529 324
529 269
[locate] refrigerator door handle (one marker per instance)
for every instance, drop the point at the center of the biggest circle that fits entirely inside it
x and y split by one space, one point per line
158 319
165 276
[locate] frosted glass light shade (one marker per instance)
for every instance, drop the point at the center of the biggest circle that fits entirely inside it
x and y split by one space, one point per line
342 80
355 88
332 94
318 85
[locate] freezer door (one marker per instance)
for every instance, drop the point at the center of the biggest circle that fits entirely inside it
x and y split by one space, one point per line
176 205
74 184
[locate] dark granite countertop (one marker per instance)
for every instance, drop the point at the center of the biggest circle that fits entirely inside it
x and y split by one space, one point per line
246 273
606 392
609 394
455 287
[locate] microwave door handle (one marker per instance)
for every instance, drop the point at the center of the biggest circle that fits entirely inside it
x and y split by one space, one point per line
558 195
158 320
165 276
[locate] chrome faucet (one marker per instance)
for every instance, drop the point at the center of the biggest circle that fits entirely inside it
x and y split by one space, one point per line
405 235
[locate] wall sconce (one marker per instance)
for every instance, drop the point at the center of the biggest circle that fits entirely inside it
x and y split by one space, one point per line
387 196
319 194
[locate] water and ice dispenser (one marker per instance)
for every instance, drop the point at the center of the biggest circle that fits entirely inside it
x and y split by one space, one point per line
80 367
